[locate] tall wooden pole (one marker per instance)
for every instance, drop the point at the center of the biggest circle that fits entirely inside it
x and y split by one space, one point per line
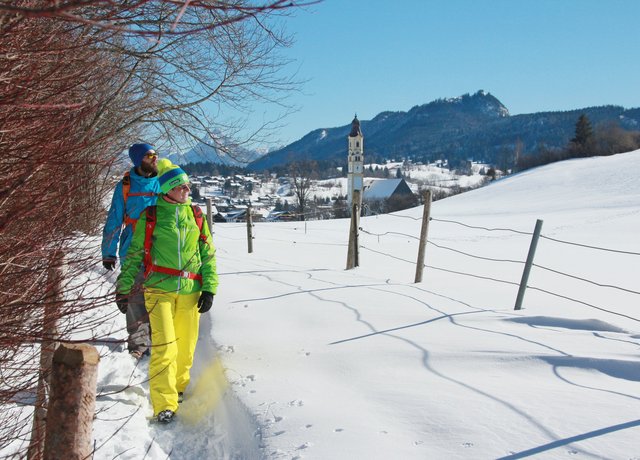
352 251
210 215
423 235
249 230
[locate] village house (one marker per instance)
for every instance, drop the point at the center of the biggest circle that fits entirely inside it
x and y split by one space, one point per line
387 195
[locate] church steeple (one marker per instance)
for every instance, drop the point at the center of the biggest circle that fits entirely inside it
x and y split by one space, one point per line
355 127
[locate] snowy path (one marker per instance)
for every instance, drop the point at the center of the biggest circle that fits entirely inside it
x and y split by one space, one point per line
211 422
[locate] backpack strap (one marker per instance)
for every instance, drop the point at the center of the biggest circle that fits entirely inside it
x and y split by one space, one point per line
148 238
199 217
126 189
126 186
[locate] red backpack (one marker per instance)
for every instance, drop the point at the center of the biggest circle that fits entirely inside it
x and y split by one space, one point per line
148 244
126 187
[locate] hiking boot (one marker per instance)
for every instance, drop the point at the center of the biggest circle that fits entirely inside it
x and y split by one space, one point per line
136 354
165 416
139 354
180 397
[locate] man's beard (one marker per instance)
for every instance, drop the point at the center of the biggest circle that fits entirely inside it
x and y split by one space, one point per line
148 170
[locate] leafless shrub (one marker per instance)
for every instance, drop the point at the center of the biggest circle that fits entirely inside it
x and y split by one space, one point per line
79 81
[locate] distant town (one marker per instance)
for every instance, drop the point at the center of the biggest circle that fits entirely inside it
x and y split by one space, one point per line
276 198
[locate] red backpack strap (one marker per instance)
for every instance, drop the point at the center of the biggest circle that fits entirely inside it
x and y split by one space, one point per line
126 192
148 238
199 216
126 187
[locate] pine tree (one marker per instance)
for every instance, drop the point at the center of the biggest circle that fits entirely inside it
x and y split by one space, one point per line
584 135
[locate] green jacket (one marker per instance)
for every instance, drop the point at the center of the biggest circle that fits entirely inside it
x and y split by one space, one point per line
177 245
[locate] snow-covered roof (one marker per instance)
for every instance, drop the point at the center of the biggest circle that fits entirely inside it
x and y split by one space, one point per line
381 189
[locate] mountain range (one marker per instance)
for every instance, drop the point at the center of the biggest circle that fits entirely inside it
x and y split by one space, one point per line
206 152
470 127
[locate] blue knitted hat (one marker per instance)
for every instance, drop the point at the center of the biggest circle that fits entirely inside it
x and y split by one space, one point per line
170 175
137 153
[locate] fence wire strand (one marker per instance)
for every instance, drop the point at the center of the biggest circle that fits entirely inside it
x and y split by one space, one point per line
474 256
585 279
388 233
583 303
440 268
619 251
481 228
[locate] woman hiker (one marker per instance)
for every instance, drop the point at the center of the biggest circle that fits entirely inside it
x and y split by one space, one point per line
173 241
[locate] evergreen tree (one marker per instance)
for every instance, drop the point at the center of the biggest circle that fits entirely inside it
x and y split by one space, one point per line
583 140
584 132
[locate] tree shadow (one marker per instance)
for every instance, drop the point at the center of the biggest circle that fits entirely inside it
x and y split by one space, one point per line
571 440
620 369
567 323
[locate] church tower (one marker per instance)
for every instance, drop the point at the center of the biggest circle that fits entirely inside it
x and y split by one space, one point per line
355 161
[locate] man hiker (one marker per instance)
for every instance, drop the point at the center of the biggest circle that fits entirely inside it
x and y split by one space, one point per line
138 189
173 241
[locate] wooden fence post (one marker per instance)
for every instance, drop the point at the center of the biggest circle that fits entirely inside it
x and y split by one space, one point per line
72 403
353 250
47 348
423 235
249 230
528 264
210 215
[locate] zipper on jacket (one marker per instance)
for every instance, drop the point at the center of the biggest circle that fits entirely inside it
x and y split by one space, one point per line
179 247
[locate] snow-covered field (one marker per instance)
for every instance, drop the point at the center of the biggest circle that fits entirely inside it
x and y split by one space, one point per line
327 363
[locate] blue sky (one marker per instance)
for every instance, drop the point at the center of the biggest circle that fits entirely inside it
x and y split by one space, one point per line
368 56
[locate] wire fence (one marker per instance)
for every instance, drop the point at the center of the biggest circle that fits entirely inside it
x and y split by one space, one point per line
555 271
298 225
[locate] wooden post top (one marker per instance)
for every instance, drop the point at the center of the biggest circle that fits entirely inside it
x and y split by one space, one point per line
74 355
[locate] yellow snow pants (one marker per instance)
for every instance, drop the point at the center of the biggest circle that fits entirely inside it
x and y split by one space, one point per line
174 320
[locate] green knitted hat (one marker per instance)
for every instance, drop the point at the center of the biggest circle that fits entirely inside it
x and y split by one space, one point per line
170 175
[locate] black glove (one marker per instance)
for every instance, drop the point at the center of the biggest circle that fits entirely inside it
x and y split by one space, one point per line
122 302
109 263
205 301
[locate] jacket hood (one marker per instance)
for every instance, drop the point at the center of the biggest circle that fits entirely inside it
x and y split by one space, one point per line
135 177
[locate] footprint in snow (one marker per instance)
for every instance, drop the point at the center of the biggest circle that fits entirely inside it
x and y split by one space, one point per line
226 348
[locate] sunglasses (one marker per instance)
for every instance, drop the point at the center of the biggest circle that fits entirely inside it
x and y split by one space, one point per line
151 155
